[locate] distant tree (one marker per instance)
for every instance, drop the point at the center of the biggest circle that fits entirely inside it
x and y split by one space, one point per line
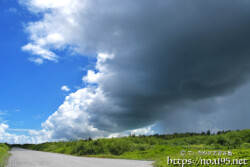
208 132
156 135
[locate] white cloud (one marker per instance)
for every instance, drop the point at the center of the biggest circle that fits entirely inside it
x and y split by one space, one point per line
39 5
91 77
65 88
77 113
10 138
50 33
43 54
141 131
3 127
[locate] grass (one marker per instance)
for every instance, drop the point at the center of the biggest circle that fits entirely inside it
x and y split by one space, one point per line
156 147
4 148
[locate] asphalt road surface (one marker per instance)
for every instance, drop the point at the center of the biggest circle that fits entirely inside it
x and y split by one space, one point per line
29 158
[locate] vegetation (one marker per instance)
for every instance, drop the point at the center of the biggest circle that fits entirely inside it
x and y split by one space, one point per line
156 147
4 148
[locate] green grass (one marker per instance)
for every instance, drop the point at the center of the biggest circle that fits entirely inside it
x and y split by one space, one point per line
156 147
4 148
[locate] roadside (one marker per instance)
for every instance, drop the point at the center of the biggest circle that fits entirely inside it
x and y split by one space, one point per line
4 154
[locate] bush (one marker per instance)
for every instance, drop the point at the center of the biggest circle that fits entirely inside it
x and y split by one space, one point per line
142 147
4 148
221 140
245 145
210 141
118 147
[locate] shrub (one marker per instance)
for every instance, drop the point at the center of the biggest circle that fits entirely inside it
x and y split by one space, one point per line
118 147
210 140
3 153
221 140
245 145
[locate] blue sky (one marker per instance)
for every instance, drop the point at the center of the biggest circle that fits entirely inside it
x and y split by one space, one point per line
31 92
75 69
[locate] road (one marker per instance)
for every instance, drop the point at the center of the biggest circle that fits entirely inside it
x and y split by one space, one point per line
29 158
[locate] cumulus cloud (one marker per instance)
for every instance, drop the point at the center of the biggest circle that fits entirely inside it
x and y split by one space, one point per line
91 77
49 33
156 61
65 88
6 137
80 113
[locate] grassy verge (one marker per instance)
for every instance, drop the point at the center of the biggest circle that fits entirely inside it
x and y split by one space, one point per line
157 147
4 148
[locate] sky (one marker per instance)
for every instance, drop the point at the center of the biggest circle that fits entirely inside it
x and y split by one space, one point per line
75 69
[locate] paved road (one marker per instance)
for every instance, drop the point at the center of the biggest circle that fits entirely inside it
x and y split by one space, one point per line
29 158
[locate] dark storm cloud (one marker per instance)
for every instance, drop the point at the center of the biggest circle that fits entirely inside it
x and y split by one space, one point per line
171 51
222 113
172 59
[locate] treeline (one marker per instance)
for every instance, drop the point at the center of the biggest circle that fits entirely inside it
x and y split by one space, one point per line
119 146
4 148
